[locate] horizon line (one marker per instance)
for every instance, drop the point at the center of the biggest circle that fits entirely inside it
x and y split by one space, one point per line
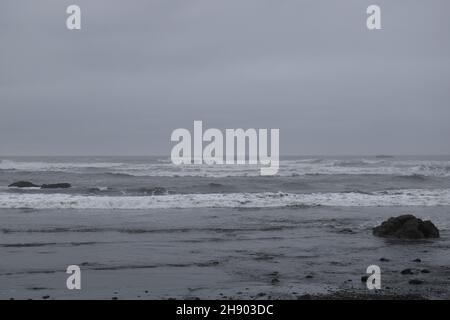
285 155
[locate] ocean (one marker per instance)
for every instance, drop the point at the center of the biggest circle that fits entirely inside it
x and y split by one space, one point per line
140 227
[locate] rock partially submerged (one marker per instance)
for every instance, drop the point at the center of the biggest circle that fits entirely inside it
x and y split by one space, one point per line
28 184
23 184
56 186
406 227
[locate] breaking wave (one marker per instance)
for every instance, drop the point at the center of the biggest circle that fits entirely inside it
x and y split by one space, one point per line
299 167
410 197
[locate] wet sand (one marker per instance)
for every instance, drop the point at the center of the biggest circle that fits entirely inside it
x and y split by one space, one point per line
297 253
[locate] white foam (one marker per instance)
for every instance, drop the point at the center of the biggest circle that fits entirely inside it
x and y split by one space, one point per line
413 197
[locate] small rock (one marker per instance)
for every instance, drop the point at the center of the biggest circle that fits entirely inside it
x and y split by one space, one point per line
45 297
425 271
417 260
346 231
384 260
415 281
309 276
364 278
23 184
275 281
407 271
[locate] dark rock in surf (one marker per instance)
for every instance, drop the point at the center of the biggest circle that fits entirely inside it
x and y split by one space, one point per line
406 227
23 184
56 186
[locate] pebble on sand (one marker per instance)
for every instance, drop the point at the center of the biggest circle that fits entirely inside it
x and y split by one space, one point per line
407 271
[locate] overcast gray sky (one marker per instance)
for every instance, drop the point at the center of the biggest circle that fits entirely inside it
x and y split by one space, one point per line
139 69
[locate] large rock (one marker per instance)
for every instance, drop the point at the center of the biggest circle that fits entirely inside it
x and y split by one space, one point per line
56 186
406 227
23 184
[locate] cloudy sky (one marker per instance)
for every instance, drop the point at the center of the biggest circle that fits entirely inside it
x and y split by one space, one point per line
140 69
